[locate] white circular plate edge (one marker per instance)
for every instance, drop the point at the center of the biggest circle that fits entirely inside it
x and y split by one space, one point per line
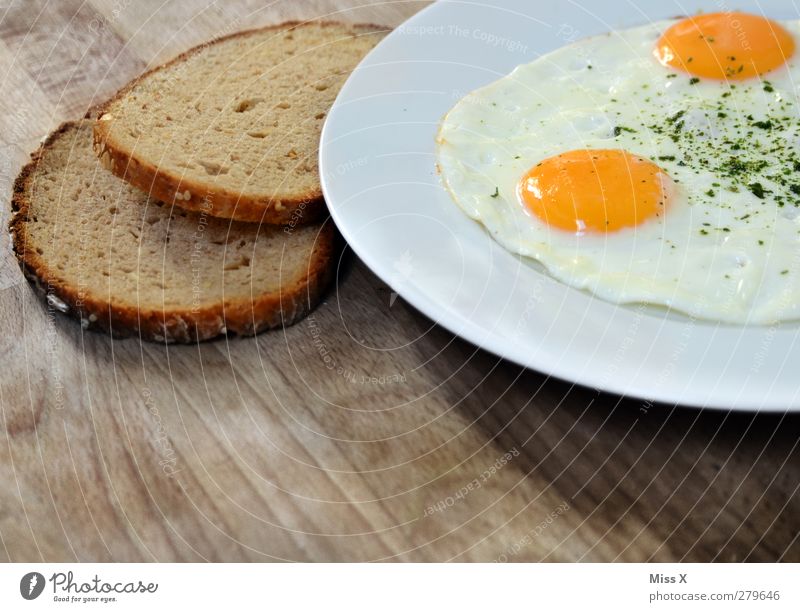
378 178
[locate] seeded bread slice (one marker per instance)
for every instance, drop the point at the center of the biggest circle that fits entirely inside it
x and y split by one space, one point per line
233 126
100 250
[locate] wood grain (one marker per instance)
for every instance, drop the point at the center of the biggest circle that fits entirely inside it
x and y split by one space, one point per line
348 436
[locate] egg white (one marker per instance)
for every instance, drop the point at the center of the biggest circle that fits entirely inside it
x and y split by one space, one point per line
716 253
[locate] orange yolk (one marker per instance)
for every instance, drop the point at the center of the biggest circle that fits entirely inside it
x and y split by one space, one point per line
594 190
725 46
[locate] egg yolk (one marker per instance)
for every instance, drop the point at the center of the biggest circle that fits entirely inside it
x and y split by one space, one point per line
594 190
726 45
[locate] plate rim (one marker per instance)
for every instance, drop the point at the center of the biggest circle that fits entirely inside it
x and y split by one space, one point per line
470 331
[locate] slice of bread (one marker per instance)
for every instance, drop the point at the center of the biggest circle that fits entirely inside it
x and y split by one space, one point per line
233 126
100 250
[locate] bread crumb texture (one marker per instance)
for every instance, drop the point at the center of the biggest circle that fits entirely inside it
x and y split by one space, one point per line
236 122
106 253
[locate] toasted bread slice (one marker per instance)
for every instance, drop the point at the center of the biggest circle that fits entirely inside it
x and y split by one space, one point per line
102 251
232 127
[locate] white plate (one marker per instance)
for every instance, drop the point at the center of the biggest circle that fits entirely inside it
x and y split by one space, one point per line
377 165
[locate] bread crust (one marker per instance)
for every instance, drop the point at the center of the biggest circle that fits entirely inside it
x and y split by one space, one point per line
301 208
179 325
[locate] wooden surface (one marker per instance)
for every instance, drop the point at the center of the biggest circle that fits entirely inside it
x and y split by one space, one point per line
348 436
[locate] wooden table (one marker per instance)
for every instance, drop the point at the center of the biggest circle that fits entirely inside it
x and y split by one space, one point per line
365 432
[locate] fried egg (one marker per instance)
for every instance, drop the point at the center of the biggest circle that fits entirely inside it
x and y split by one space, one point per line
658 164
